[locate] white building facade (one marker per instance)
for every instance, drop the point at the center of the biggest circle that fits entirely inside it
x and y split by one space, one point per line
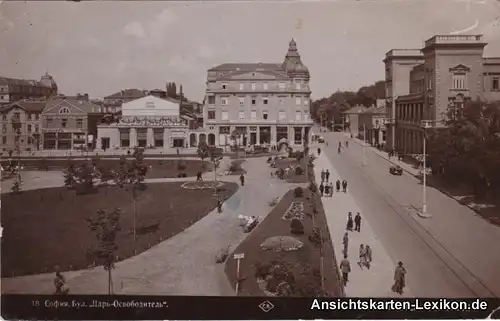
149 122
266 103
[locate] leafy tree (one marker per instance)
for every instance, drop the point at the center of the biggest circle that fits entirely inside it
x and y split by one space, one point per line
84 178
105 226
203 151
468 149
69 175
133 173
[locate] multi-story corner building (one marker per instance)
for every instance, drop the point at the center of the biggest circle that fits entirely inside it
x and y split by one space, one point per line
398 65
12 90
64 123
452 70
113 103
264 102
21 121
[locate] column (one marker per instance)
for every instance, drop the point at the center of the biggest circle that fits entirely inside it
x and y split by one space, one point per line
273 134
302 133
73 139
258 135
150 137
133 137
166 138
57 141
291 135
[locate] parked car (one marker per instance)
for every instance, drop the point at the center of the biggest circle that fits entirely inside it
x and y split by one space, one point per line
396 170
321 140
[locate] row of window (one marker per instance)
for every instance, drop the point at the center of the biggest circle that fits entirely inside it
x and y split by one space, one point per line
29 128
265 86
265 101
299 115
29 116
64 122
31 140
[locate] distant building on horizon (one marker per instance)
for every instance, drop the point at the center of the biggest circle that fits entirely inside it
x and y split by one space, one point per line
428 83
13 89
264 102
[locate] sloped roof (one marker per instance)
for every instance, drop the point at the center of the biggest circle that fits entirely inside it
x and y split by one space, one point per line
85 106
375 110
31 106
355 110
19 82
128 93
247 67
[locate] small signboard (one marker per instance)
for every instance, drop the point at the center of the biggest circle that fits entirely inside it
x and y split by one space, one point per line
239 256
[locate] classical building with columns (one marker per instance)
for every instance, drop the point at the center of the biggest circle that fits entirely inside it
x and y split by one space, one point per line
433 84
150 121
266 103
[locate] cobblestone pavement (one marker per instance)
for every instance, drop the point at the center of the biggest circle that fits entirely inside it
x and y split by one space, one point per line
184 264
450 254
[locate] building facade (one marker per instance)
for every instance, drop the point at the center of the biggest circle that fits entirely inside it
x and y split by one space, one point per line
266 103
372 121
150 121
21 124
451 72
12 90
65 123
352 121
112 104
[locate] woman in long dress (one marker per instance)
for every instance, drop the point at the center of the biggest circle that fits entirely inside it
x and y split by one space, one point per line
399 278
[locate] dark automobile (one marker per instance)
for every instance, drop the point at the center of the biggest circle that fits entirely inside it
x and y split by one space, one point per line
396 170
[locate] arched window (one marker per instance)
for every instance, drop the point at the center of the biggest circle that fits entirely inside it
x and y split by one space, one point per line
64 110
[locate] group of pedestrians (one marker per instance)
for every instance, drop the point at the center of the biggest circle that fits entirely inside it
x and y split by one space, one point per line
326 186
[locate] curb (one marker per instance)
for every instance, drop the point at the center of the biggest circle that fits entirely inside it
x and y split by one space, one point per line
416 176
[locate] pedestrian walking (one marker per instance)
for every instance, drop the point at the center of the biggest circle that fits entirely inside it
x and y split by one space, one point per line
327 175
331 189
323 175
337 183
321 189
199 178
399 278
345 242
178 151
242 180
345 267
368 250
327 189
349 222
319 151
219 205
60 282
362 256
346 144
344 186
340 145
357 222
338 150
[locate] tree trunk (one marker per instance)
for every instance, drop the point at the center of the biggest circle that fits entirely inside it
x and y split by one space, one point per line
135 213
110 283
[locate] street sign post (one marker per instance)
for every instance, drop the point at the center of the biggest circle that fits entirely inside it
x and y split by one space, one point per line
238 257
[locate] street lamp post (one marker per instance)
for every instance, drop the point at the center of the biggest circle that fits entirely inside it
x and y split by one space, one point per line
426 124
364 144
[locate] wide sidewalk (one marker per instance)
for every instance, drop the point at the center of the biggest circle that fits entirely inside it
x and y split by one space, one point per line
363 282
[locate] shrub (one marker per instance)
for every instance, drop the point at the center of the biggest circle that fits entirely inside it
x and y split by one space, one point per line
315 237
262 270
299 171
296 227
298 192
95 161
43 165
181 165
313 187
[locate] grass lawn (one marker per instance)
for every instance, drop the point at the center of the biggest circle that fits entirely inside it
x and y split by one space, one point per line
159 168
305 262
47 227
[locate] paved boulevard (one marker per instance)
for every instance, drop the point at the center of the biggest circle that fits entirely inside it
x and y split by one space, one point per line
455 253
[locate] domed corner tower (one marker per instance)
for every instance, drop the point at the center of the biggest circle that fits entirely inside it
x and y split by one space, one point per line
293 64
49 82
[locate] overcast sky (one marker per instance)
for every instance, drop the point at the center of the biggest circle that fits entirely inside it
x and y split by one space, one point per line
102 47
